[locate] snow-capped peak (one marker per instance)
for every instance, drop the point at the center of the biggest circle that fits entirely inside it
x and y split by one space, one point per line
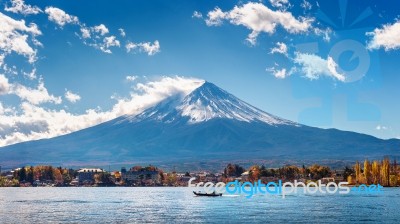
205 103
209 101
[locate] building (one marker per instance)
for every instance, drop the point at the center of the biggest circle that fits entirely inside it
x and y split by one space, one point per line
86 175
338 175
141 175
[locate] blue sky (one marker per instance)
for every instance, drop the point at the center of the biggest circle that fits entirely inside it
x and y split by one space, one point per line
330 64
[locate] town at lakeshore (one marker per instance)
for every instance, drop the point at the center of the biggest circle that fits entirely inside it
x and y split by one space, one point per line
385 172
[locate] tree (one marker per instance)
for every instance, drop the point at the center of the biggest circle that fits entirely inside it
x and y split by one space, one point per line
357 168
317 172
162 176
350 179
367 172
393 180
67 176
254 173
58 176
385 172
22 174
29 175
171 179
375 175
233 170
347 172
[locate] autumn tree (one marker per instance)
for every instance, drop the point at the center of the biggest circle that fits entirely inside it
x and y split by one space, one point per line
58 178
350 179
171 179
385 172
375 175
357 168
347 172
367 172
233 170
254 173
317 171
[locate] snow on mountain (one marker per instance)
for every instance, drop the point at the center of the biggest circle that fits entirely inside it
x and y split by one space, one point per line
205 103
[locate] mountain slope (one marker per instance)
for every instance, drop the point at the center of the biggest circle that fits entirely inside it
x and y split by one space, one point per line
208 124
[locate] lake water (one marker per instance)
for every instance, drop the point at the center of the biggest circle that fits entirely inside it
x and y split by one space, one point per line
171 205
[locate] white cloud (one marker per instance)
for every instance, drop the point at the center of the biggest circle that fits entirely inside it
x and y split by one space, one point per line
215 17
35 122
2 56
108 42
93 36
387 37
381 128
280 48
278 73
101 29
130 46
279 3
4 85
31 75
131 78
19 6
60 17
122 32
34 96
313 66
14 36
5 110
197 15
325 33
72 97
306 5
258 18
332 67
85 32
149 48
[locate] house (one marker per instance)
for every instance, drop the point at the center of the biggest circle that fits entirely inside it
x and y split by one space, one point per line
140 175
244 176
86 175
326 180
338 175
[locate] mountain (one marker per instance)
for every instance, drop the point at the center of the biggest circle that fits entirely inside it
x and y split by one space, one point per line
206 126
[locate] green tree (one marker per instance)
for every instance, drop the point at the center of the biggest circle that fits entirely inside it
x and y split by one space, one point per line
347 172
29 175
22 174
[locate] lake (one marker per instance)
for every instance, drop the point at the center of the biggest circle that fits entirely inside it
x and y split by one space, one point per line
171 205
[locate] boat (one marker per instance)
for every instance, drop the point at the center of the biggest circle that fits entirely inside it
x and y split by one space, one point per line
213 194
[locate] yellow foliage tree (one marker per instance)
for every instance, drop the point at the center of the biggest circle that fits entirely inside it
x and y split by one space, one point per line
375 172
385 172
357 168
367 172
